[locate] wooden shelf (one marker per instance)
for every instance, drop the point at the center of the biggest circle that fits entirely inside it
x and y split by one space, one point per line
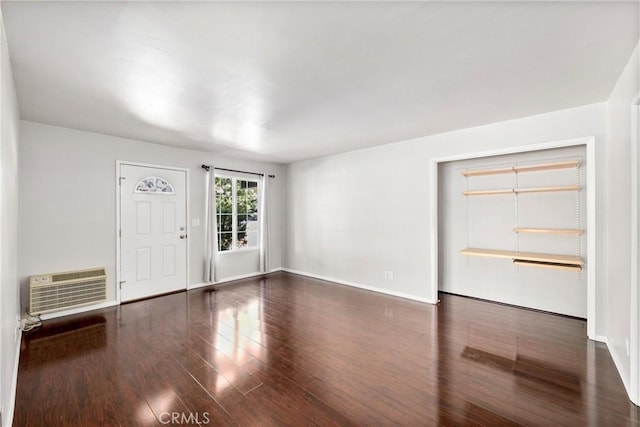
529 259
548 265
523 168
547 166
481 172
487 192
549 230
521 190
524 256
547 189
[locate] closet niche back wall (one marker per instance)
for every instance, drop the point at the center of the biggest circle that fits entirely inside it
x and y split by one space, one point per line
488 222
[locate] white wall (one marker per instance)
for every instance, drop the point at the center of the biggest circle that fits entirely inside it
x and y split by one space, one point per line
68 201
619 202
354 215
9 226
487 222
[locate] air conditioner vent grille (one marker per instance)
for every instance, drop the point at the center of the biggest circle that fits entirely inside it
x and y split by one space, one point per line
48 293
75 275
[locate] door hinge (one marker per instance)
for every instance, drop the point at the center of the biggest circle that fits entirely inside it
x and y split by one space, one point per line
123 281
120 232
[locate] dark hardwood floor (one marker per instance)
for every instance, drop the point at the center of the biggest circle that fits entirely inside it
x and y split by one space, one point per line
289 350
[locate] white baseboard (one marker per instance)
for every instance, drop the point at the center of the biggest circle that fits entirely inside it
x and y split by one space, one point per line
617 361
79 310
198 285
7 419
231 279
361 286
599 338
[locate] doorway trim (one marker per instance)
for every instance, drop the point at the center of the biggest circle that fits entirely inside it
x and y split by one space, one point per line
589 143
634 327
117 230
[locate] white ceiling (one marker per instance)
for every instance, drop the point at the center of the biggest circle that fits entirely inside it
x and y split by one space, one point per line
288 81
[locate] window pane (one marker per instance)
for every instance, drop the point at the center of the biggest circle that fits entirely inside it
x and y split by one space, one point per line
225 184
224 195
242 184
224 204
241 241
242 222
252 239
226 223
224 241
252 225
218 222
252 200
241 200
252 184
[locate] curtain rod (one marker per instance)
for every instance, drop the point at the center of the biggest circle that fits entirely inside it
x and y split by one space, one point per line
208 168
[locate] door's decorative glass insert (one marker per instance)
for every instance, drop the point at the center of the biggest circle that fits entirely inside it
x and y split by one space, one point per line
154 184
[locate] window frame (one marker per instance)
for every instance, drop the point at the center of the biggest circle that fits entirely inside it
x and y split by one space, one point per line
234 214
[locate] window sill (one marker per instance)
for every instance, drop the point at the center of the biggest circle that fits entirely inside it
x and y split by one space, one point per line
235 251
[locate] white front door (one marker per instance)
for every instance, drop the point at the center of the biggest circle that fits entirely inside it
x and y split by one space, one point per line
153 231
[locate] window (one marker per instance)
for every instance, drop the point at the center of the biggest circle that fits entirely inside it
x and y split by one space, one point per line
237 213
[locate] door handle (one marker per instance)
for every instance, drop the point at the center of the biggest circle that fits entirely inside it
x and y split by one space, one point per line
183 236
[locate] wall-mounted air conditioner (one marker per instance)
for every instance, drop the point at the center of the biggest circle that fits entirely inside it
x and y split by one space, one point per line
62 291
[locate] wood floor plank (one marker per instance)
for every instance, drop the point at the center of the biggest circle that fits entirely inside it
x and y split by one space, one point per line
289 350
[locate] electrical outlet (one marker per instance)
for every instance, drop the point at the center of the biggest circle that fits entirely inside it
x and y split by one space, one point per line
388 275
626 345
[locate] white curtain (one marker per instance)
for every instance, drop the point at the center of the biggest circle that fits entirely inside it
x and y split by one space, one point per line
264 234
210 228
